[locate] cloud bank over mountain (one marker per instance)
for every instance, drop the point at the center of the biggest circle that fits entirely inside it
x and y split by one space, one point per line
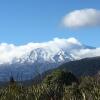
9 52
85 53
82 18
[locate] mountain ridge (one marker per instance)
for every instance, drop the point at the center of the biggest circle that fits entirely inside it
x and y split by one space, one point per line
29 60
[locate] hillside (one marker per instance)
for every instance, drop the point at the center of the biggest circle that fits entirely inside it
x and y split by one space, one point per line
83 67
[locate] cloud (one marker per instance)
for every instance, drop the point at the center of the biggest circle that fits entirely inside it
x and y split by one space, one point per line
82 18
86 53
11 52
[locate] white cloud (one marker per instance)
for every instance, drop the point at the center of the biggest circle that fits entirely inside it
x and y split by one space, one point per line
10 51
82 18
86 53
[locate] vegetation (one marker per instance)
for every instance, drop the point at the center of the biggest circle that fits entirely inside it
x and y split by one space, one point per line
59 85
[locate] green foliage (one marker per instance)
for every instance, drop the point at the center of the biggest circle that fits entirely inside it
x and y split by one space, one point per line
60 77
63 88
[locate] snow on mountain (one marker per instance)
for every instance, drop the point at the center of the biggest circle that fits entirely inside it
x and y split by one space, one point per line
28 60
46 50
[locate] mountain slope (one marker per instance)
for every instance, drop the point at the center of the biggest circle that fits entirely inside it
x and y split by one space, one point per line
83 67
25 62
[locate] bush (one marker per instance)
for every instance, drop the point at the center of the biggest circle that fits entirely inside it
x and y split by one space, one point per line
60 77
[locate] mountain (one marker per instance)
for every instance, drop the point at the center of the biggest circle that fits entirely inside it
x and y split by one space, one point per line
27 61
83 67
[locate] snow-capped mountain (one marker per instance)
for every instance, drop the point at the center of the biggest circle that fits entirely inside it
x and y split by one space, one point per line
24 62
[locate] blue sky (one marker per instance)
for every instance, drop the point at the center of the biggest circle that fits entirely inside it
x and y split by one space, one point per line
23 21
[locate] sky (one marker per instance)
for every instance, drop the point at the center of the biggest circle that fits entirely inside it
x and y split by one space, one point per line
24 21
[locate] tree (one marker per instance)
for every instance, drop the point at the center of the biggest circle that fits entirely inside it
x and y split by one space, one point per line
12 81
60 77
